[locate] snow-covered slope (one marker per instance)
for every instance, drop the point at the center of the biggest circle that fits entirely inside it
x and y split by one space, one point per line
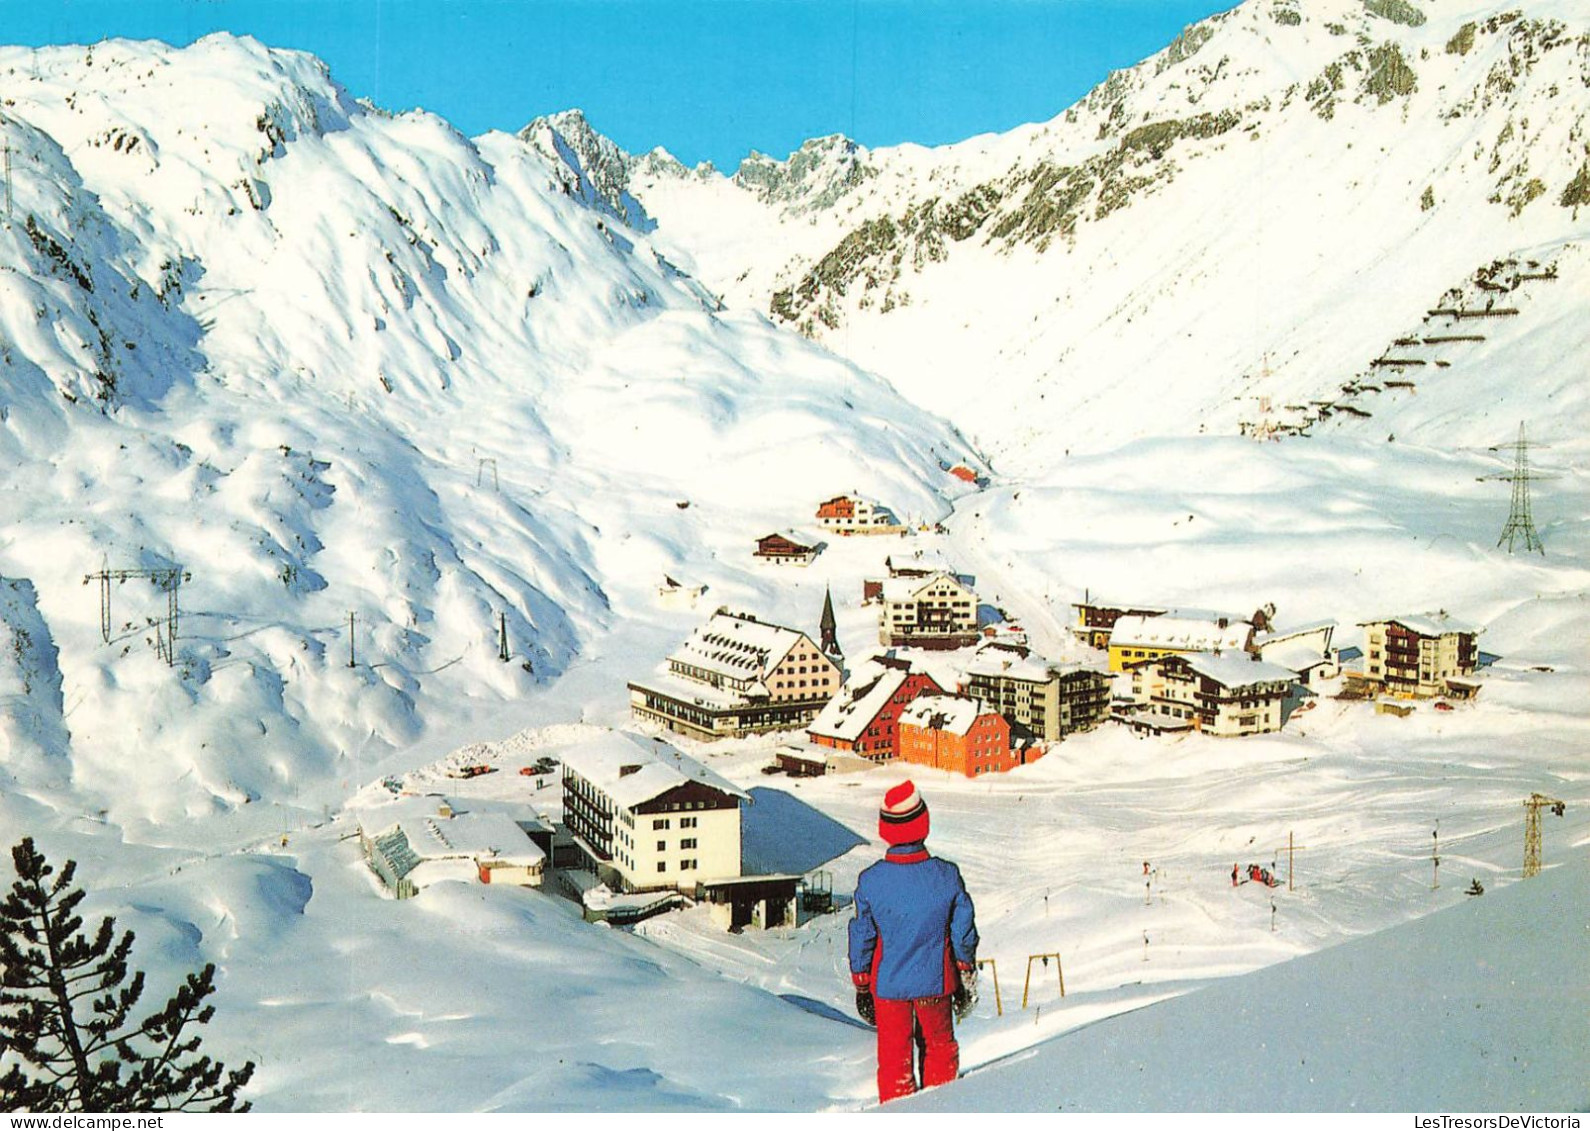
329 362
1475 1008
1242 222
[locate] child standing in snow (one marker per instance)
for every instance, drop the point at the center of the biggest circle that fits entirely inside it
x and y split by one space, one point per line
913 950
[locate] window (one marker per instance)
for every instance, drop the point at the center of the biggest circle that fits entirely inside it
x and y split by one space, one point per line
662 865
687 822
688 842
684 866
662 846
660 823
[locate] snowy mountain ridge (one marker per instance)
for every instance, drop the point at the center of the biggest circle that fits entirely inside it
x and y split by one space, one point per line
353 375
1194 214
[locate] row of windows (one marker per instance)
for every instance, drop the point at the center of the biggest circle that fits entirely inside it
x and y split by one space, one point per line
677 806
664 822
684 865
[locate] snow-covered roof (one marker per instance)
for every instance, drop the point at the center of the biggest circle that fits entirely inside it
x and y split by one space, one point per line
737 646
906 588
847 714
1100 603
1295 655
1183 633
1277 635
607 760
953 713
1427 624
429 835
794 536
927 561
860 502
1003 661
1239 670
696 691
475 835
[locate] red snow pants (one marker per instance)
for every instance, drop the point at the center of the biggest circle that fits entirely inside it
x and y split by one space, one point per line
899 1022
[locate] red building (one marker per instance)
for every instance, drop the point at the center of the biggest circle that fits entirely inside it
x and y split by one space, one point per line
948 732
841 506
864 717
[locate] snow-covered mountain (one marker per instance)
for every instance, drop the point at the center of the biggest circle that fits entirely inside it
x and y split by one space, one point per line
338 369
331 362
1243 222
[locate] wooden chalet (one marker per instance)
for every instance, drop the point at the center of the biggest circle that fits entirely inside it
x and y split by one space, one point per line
785 548
848 515
1096 619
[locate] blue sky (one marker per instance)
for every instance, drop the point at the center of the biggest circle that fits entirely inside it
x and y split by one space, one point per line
707 79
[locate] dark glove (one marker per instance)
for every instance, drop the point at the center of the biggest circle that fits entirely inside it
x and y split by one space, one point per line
965 991
864 1006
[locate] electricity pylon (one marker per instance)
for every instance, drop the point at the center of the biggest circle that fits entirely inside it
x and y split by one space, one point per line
1532 808
1520 520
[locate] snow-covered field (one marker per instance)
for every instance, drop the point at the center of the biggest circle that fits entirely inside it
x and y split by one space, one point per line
363 365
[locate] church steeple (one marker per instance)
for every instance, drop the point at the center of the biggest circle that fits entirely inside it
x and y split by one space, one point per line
829 627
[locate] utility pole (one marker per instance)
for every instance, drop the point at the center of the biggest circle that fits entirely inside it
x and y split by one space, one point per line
350 639
502 637
1435 856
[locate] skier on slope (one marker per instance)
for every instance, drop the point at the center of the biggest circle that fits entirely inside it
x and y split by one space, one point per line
913 950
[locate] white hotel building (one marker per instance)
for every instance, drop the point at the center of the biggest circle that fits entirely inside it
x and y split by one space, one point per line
648 817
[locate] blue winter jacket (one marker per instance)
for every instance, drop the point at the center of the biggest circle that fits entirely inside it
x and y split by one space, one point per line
913 922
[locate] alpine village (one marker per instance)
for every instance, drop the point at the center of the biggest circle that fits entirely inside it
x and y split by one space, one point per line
951 684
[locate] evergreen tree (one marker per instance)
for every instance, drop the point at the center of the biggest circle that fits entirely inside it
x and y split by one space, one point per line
67 1012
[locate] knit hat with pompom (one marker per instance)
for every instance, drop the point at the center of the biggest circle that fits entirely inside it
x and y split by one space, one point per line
903 819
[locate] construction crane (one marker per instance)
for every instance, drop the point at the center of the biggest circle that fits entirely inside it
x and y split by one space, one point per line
1532 808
